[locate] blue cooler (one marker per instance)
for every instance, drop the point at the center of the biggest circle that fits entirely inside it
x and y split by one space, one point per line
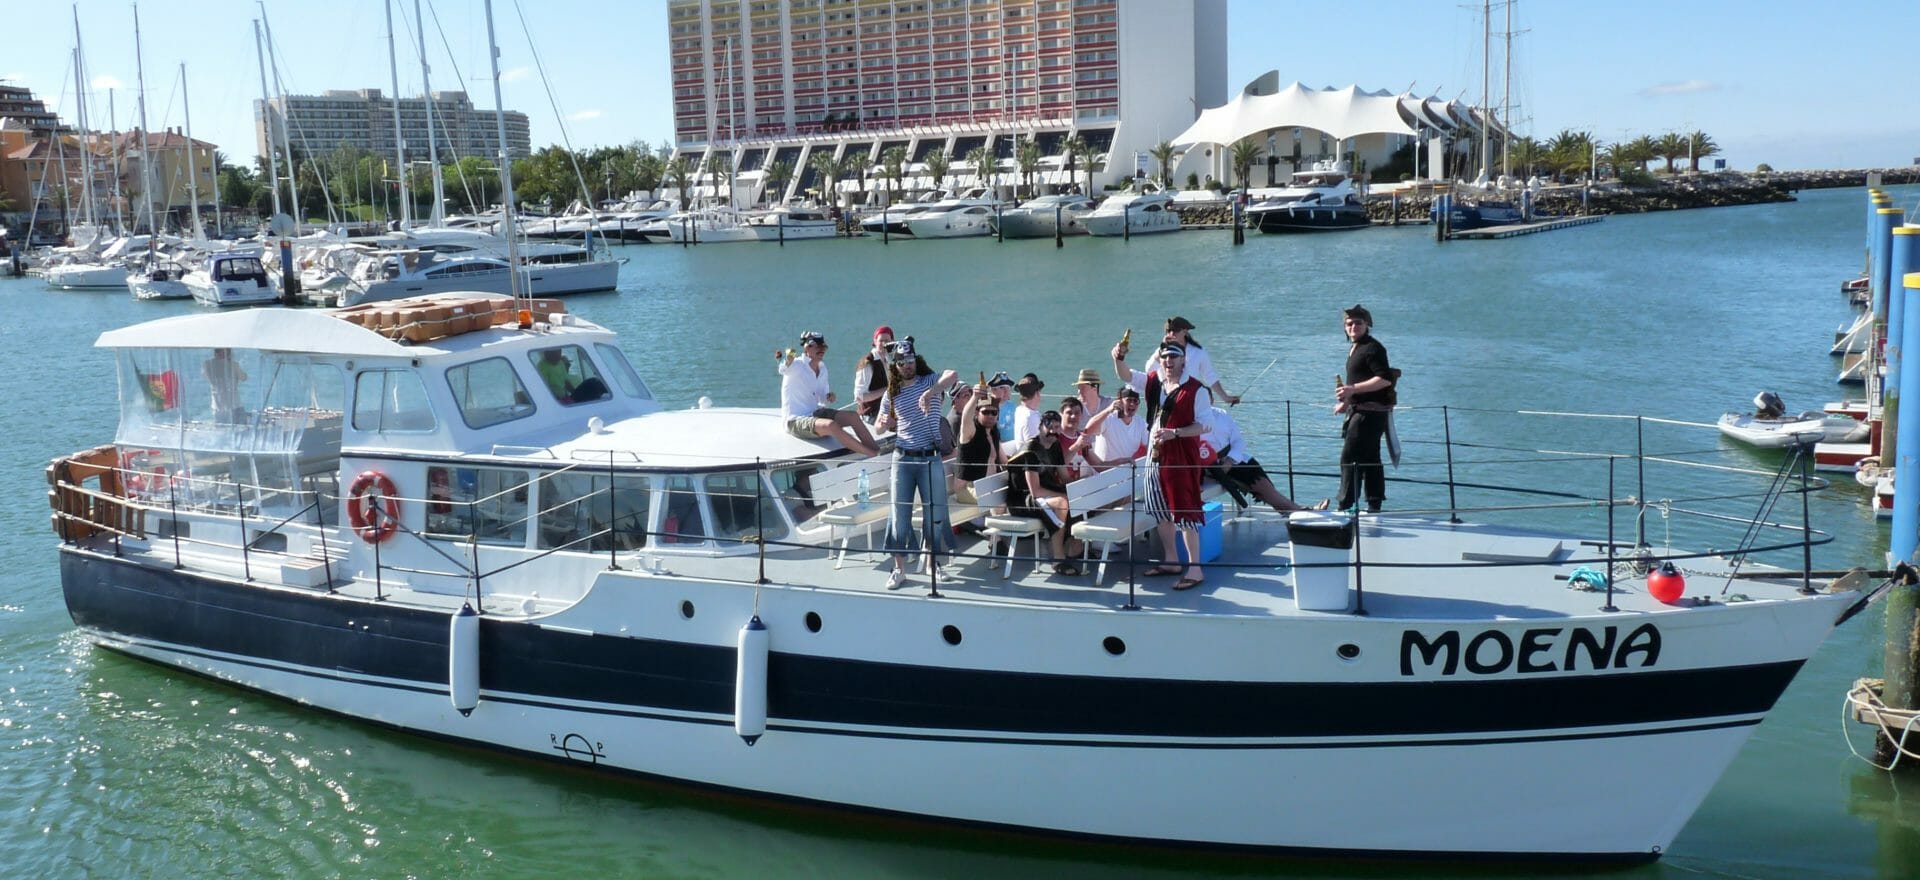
1212 515
1322 537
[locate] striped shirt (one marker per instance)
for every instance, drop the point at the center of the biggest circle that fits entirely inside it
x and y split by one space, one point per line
917 428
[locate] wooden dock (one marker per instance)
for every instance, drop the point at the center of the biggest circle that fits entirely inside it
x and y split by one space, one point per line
1517 229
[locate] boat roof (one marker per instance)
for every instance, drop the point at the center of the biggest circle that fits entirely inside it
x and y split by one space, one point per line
282 330
710 438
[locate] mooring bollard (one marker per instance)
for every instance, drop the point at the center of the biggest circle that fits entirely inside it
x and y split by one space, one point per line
1904 260
1879 277
1902 687
780 223
1059 230
999 231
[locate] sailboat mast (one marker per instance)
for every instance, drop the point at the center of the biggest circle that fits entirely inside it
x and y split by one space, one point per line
438 217
113 154
286 138
80 99
266 118
1486 88
399 136
146 150
1506 100
506 165
193 161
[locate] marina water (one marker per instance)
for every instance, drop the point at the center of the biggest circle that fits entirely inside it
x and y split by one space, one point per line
115 768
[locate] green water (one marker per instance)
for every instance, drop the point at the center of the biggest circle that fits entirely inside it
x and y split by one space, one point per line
112 768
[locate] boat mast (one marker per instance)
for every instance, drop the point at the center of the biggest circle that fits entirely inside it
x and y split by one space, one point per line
193 161
438 217
286 125
266 117
80 98
506 165
146 151
1486 76
399 137
113 154
1506 100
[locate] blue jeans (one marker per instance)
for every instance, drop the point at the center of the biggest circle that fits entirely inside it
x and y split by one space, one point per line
926 477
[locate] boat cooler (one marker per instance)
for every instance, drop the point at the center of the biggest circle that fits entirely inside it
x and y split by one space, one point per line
1322 538
1210 538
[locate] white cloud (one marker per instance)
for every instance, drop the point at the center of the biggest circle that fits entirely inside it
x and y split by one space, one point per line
1679 88
107 81
583 116
515 74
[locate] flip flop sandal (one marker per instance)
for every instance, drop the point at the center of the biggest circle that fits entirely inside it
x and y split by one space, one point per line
1164 571
1187 583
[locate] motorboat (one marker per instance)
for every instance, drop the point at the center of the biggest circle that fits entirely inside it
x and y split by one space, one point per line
795 221
1319 199
1039 217
1770 426
972 221
106 270
717 224
160 276
466 517
398 274
899 221
232 278
1134 212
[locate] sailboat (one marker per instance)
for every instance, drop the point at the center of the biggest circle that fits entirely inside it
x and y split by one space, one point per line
1491 205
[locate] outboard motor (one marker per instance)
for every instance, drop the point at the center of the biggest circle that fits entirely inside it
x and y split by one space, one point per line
1768 405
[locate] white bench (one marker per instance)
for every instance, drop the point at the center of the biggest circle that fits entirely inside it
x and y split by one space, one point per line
1092 499
838 490
991 493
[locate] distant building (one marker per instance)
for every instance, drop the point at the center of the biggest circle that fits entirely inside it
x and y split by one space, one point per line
27 111
168 174
781 81
363 118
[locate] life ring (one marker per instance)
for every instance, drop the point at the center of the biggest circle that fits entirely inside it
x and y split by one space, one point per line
373 506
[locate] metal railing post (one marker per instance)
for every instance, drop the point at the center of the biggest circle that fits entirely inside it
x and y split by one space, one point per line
320 528
1291 491
173 507
1805 453
240 508
1446 433
613 519
1610 542
473 545
760 516
1640 493
1133 531
1359 572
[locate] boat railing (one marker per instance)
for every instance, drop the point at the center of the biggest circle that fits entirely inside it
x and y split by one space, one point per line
1456 461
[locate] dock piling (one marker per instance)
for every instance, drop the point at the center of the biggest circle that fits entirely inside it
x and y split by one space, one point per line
1902 664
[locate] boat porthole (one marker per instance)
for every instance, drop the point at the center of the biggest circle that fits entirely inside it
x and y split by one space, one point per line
1348 652
1114 645
951 633
813 621
686 609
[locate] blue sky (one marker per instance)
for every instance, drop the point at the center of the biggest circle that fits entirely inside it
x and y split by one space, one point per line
1791 85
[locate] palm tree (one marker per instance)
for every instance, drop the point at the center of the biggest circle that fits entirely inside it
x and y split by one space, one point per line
985 164
680 172
1570 151
1162 153
1079 156
1245 154
1644 149
1026 157
893 166
828 168
720 167
853 166
778 174
1526 153
938 162
1700 147
1672 147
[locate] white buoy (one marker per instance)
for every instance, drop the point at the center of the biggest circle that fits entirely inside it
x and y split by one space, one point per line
463 660
750 682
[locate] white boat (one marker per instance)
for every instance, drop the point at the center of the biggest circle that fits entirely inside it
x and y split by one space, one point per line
1319 199
399 274
969 222
797 221
161 277
232 278
449 537
1038 217
899 221
1134 212
711 225
1770 426
106 270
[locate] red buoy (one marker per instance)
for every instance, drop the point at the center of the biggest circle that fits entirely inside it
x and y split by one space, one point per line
1667 584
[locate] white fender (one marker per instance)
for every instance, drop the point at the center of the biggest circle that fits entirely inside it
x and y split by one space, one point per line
750 682
463 660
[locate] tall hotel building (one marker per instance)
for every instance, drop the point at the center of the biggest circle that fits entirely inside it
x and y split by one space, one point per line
767 81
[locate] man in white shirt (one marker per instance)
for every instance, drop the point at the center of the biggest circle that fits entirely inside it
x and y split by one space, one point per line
806 399
1117 434
1026 417
1237 470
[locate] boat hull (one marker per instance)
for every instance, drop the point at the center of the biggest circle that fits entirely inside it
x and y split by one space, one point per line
1783 433
1114 225
86 277
1030 224
543 279
1605 764
1310 219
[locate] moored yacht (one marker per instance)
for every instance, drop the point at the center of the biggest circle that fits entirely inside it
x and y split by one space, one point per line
971 221
467 517
1134 212
398 274
1319 199
232 278
1039 217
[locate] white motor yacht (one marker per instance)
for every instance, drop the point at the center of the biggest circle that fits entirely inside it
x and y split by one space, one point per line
232 278
1134 212
892 219
397 274
797 221
161 276
486 531
712 225
1319 199
968 222
1039 217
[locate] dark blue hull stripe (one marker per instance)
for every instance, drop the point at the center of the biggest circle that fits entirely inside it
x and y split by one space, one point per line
324 634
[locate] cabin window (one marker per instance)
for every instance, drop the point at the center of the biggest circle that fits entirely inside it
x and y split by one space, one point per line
489 393
794 486
578 512
391 400
569 375
681 519
623 373
734 497
485 504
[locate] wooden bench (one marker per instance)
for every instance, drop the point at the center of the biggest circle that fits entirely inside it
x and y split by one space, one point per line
846 515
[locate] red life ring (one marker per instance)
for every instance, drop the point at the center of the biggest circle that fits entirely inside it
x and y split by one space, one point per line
373 506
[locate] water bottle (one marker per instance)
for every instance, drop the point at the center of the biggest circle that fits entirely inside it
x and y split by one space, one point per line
863 489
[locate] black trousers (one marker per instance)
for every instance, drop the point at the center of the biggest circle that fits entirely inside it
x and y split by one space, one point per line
1360 460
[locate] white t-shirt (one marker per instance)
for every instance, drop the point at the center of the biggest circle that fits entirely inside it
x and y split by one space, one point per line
801 390
1026 423
1225 437
1199 365
1119 440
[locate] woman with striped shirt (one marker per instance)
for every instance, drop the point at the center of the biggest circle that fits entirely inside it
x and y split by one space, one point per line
911 407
